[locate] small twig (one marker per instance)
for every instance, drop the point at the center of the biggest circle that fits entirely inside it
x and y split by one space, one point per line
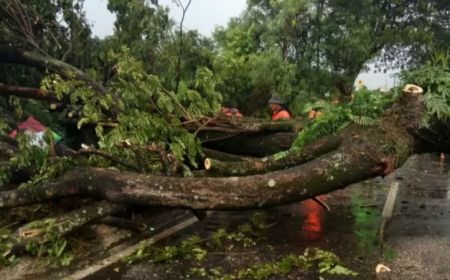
180 51
232 253
10 225
368 206
203 125
108 156
268 226
177 102
80 242
219 138
193 121
322 203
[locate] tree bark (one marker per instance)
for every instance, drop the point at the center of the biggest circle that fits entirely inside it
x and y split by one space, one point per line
249 166
19 56
222 156
229 124
62 225
256 145
27 92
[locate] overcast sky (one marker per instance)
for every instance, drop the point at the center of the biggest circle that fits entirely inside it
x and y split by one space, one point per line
203 15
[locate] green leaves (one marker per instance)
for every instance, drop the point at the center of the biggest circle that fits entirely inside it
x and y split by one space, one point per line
188 249
52 246
325 262
363 110
363 120
6 243
437 104
142 113
222 242
434 78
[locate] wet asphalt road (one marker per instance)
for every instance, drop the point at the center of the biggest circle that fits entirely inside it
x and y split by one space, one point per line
416 240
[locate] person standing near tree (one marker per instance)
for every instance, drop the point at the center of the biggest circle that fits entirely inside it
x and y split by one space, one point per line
229 110
279 108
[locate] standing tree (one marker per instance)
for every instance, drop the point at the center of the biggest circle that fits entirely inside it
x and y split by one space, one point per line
330 42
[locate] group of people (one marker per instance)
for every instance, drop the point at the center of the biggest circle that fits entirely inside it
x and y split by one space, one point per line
276 103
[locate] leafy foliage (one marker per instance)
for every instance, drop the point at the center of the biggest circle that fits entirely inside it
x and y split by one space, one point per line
195 248
53 246
324 261
243 236
364 109
328 43
250 79
189 249
6 243
142 27
37 154
434 78
147 115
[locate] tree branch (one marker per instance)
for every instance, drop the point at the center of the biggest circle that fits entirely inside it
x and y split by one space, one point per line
27 92
180 53
271 163
17 56
62 225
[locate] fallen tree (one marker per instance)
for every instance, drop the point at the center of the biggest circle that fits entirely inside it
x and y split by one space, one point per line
140 150
366 152
143 141
353 154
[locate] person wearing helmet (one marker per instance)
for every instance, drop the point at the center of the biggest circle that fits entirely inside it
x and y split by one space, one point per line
279 109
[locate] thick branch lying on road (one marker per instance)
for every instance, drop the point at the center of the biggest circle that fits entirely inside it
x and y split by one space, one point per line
61 225
271 163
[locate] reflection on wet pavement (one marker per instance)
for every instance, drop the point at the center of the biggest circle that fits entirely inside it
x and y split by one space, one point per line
313 222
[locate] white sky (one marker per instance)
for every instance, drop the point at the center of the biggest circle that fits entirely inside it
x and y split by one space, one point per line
204 15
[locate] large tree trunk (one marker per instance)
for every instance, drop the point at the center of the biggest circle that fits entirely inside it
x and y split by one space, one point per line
367 152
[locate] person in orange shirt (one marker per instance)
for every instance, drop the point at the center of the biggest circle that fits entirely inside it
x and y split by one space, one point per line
229 110
279 109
